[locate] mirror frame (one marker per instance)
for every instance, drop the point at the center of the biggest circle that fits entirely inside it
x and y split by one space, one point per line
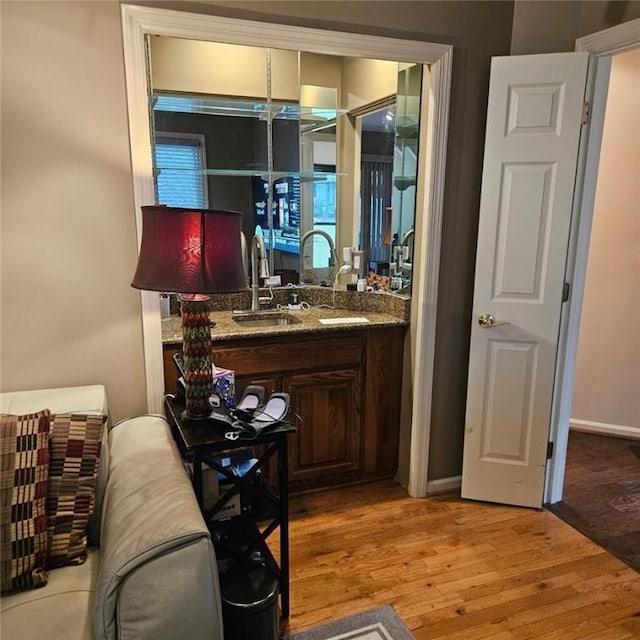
140 21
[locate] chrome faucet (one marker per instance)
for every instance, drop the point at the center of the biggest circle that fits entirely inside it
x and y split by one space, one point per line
259 269
401 257
406 257
406 236
333 256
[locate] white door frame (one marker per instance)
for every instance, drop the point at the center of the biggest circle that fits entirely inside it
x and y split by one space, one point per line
139 21
602 46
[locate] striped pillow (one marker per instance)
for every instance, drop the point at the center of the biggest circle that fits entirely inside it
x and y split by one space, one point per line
24 466
74 447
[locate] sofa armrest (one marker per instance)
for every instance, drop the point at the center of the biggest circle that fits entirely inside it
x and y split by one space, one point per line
158 573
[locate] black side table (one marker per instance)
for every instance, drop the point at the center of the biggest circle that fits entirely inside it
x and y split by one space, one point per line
202 442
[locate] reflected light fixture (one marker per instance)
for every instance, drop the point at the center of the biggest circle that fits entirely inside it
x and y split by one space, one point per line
192 252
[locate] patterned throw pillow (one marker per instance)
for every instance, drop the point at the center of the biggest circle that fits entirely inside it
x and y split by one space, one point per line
24 467
74 447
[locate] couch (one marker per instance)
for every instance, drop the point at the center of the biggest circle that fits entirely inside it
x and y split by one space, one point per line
150 571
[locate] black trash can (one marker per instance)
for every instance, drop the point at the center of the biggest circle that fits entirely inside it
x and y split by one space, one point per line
249 602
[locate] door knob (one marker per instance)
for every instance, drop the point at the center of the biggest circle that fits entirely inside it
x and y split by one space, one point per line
487 321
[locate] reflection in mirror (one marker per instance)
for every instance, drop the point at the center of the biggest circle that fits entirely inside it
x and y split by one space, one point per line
248 128
389 168
319 83
376 183
283 137
405 173
319 204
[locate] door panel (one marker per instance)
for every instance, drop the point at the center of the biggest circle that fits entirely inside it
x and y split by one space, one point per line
506 427
328 438
531 150
522 230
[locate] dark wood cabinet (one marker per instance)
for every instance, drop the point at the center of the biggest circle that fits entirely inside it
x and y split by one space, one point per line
345 398
328 447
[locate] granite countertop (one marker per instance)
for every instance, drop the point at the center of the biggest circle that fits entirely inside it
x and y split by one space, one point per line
308 321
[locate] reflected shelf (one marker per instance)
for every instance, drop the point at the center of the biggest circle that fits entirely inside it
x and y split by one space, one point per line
309 116
304 176
407 126
404 182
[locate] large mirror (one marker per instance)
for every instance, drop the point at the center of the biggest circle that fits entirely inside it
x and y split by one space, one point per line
318 152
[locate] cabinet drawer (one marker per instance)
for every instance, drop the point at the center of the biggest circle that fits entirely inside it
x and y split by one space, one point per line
290 354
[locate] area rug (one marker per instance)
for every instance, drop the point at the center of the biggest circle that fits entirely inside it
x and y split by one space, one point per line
378 624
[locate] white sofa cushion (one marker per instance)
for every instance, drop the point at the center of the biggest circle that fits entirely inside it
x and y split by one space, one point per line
61 610
90 399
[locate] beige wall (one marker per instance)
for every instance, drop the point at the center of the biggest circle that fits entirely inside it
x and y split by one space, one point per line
608 367
68 314
365 81
192 66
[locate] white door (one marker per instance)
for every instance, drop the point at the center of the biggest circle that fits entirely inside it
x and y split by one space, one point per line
531 150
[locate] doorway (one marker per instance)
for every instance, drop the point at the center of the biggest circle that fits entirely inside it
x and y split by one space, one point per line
605 399
581 194
601 492
602 46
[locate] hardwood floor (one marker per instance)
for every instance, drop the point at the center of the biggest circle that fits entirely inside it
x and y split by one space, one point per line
454 569
601 496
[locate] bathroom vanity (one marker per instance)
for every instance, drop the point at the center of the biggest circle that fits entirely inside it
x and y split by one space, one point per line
344 380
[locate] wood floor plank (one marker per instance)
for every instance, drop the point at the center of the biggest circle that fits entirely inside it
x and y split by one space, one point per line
610 634
565 625
454 569
572 630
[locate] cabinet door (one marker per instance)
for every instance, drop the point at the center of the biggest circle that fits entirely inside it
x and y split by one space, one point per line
326 450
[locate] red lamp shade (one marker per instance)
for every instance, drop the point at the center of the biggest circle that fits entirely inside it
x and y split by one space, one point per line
196 252
190 251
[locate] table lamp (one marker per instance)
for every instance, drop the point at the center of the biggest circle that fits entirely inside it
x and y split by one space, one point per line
192 252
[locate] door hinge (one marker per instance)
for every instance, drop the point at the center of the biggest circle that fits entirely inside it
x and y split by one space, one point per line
586 112
565 291
549 450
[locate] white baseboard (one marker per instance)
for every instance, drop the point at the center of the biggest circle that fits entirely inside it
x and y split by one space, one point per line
604 429
444 484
